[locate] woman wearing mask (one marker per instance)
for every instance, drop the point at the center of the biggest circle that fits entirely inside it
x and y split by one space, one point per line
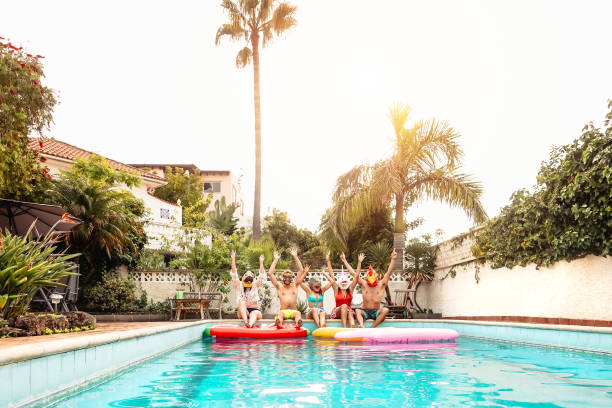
247 289
343 291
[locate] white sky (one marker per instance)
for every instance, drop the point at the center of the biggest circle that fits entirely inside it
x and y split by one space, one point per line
142 82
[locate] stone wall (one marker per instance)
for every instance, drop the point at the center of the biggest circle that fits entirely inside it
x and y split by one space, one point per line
581 289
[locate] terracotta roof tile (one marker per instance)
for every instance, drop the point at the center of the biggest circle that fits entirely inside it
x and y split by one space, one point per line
53 147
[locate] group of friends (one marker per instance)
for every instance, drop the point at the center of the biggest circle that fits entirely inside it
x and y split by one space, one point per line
373 290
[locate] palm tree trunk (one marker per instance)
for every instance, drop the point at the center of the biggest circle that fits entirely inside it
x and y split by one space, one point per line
399 232
256 96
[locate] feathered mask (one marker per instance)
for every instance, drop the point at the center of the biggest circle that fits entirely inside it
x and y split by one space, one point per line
372 277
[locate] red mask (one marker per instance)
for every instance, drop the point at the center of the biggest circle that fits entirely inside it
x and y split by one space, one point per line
372 277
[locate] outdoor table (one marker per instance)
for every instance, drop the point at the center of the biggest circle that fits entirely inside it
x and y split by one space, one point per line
183 305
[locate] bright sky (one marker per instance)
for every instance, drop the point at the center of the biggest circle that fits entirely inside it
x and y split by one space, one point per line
142 82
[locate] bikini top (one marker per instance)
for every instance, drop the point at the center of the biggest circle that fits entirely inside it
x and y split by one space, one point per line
314 300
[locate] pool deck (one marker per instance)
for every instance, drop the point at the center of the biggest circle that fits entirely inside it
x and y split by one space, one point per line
16 349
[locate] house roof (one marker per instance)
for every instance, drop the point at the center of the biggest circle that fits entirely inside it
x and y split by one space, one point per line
56 148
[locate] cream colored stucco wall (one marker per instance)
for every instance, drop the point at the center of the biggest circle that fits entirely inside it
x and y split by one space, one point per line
581 289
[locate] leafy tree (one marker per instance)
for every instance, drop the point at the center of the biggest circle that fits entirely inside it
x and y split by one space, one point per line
424 164
285 234
189 189
26 106
112 230
222 218
255 22
569 214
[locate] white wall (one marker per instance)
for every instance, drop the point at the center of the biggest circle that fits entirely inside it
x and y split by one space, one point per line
581 289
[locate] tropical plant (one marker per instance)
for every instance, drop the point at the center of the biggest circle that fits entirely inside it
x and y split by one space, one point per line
222 218
112 218
424 164
111 294
26 265
568 216
377 255
26 106
150 260
302 306
255 22
355 236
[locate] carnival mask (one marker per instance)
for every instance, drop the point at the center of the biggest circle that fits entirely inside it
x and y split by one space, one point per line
247 279
372 277
343 280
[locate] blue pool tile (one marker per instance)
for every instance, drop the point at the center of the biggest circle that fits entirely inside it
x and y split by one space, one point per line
55 377
6 385
38 376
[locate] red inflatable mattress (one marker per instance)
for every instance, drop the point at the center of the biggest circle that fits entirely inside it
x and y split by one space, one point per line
268 331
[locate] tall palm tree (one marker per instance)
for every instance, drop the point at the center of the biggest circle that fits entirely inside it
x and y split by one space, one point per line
254 21
424 164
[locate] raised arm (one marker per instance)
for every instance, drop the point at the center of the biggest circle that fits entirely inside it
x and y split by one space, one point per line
356 277
262 271
301 276
234 269
330 281
294 254
271 270
329 276
385 278
360 259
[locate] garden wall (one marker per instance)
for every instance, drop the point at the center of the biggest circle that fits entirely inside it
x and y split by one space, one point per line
566 292
161 285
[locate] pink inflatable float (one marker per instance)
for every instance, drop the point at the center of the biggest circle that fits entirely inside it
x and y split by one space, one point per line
397 335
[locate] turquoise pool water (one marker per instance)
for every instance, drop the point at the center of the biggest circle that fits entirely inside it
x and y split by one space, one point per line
311 373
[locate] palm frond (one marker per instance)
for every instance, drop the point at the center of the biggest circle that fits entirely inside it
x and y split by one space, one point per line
283 18
398 113
233 31
244 57
436 140
455 189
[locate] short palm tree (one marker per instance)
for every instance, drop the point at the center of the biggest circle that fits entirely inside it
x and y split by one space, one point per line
424 164
254 21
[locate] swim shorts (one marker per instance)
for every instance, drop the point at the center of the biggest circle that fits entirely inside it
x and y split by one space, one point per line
287 312
370 314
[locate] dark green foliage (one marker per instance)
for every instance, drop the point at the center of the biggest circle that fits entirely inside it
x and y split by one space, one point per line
420 254
568 216
286 235
377 255
111 294
222 218
112 231
26 106
352 238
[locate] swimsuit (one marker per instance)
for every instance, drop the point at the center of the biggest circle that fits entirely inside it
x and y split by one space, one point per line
316 307
342 300
251 309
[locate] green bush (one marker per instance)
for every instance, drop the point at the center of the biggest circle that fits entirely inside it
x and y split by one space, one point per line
568 216
25 267
150 260
112 294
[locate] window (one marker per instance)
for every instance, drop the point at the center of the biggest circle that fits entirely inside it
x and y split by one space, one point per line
212 187
164 213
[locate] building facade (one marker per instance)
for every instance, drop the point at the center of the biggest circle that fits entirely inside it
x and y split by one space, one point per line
221 183
165 219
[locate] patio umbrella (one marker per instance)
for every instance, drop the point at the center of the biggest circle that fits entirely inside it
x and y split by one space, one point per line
18 216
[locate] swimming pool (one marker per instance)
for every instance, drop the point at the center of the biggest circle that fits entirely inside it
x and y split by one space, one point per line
311 373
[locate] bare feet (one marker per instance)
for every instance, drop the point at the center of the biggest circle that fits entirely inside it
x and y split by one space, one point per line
352 326
361 326
248 325
298 324
278 323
